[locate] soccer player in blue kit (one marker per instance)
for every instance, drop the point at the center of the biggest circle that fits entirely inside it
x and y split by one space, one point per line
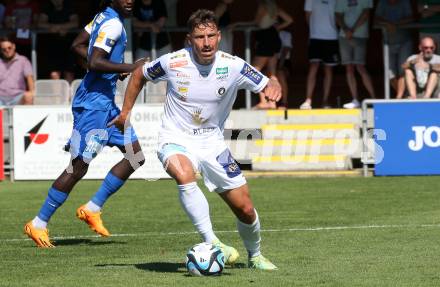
103 43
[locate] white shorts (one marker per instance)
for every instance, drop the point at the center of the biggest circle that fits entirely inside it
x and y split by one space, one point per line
212 159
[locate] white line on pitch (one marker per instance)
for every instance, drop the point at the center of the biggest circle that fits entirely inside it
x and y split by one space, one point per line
329 228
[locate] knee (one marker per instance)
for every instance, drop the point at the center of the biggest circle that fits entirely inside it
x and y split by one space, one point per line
360 69
248 213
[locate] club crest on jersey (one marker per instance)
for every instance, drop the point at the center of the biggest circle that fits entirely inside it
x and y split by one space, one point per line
220 92
251 74
197 116
156 71
177 64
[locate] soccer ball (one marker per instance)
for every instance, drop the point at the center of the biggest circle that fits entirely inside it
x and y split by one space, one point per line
205 259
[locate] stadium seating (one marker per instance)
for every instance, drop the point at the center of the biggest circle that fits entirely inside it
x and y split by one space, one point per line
51 92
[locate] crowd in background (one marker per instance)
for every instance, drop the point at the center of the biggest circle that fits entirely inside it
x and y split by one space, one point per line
338 34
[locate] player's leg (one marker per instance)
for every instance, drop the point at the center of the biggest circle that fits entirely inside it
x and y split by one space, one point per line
129 145
177 163
57 195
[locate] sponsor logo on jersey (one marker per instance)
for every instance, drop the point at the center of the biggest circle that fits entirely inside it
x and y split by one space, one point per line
222 77
110 42
182 75
100 18
183 90
178 64
156 71
183 83
227 56
100 37
221 71
251 74
178 56
221 91
177 95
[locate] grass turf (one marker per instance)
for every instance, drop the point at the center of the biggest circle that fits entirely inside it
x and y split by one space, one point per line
319 232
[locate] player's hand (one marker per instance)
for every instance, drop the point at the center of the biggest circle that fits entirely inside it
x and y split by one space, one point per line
272 92
121 122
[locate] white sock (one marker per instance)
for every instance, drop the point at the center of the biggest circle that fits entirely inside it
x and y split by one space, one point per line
196 207
250 234
91 206
39 223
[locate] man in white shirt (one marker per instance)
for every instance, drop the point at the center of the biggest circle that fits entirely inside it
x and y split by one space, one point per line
202 85
323 46
352 18
422 71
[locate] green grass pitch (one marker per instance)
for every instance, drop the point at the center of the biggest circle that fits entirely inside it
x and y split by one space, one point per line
318 231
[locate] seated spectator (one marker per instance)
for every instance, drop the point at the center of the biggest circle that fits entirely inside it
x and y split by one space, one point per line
422 71
58 18
150 14
391 14
16 78
429 11
21 16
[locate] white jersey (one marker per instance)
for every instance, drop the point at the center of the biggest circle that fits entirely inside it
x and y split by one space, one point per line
199 98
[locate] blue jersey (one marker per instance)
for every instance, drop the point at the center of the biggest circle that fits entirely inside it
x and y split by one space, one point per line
97 90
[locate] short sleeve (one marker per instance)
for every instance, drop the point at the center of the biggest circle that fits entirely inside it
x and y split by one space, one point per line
88 27
108 34
27 68
250 78
155 71
308 6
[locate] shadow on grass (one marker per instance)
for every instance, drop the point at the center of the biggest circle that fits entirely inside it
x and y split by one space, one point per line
67 242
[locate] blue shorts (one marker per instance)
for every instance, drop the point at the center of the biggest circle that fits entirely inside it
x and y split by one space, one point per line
90 133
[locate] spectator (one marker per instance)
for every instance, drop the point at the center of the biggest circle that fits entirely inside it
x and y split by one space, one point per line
422 70
391 14
22 15
429 11
323 46
150 14
352 17
284 66
223 14
16 78
58 18
171 6
267 40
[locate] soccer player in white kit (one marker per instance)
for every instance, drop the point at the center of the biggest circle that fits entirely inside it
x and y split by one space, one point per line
202 87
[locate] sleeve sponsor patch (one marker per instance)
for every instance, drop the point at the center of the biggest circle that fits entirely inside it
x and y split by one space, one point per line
100 37
156 71
251 74
110 42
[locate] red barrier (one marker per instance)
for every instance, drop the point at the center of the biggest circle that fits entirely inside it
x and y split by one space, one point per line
2 173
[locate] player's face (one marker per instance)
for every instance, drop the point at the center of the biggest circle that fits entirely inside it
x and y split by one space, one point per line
124 7
7 49
204 40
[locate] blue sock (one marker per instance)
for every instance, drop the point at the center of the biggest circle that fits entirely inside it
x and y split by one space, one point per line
110 185
55 199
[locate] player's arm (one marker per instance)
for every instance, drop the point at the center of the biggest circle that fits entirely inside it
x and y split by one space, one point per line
135 84
81 43
98 62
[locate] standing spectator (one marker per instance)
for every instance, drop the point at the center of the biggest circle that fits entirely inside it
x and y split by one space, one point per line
323 46
150 14
267 41
223 14
284 66
391 14
16 79
352 17
422 71
429 11
58 18
22 15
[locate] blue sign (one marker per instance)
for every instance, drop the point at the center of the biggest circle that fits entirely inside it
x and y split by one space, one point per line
412 144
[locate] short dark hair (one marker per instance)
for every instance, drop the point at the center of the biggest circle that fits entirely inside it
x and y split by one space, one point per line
201 17
6 39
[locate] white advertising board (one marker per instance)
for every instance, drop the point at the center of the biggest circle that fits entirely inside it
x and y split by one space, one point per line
40 133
